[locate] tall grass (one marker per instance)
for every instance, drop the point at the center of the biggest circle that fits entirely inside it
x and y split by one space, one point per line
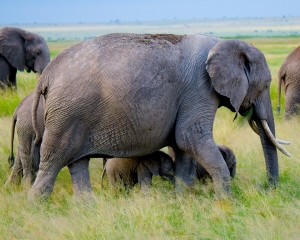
253 213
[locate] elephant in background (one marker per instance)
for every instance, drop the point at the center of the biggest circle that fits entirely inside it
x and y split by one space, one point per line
19 50
129 95
199 171
289 80
26 164
131 171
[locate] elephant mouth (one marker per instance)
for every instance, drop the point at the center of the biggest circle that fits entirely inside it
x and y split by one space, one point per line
276 142
246 112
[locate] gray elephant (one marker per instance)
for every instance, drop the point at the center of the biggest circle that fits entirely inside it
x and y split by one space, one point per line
200 172
19 50
289 79
26 164
131 171
127 95
28 154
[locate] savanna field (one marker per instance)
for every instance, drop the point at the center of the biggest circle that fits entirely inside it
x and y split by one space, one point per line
252 213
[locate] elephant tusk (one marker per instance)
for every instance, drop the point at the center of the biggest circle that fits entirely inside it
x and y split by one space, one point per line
254 128
283 142
272 138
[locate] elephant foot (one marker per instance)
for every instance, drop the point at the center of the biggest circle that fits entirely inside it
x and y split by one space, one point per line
36 196
222 190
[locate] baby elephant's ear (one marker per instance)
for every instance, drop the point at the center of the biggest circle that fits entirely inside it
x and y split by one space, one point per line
229 68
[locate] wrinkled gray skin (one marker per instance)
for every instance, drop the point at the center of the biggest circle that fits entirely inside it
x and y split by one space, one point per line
131 171
128 95
19 50
28 157
289 80
201 173
26 164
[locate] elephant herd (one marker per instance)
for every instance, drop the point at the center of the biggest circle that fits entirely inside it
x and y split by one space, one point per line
123 97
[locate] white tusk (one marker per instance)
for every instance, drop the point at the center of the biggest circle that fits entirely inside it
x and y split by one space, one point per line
283 142
254 128
272 138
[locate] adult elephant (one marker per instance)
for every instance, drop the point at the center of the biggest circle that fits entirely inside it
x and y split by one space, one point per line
289 79
19 50
127 95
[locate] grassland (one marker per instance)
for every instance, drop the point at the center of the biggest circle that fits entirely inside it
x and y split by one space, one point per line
252 214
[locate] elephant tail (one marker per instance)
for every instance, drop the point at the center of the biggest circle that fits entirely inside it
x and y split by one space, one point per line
36 98
104 171
11 158
280 77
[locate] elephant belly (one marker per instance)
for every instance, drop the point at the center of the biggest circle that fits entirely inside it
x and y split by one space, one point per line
127 138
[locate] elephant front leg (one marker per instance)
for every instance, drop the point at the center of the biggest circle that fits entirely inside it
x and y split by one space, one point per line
80 176
144 178
202 148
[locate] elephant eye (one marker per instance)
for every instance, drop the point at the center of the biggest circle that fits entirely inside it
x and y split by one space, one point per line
38 53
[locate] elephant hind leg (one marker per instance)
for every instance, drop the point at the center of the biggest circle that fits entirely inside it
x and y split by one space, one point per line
58 149
16 173
79 171
50 165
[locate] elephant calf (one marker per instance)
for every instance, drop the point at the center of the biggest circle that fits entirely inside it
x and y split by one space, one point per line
28 157
140 170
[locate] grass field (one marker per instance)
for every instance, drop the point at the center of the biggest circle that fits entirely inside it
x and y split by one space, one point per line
253 213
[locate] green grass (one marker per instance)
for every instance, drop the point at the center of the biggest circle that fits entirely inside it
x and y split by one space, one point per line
253 213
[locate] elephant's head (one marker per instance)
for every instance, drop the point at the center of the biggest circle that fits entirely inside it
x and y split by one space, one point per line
24 50
160 163
240 75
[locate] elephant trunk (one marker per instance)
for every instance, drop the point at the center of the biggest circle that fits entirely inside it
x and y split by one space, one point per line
279 94
263 113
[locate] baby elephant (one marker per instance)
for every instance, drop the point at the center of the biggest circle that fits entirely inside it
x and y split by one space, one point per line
139 169
26 164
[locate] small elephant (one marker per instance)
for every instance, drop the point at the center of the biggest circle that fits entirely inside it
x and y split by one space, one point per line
140 170
28 157
289 79
19 50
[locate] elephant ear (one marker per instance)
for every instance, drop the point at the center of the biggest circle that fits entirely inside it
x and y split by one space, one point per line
229 67
152 164
12 46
